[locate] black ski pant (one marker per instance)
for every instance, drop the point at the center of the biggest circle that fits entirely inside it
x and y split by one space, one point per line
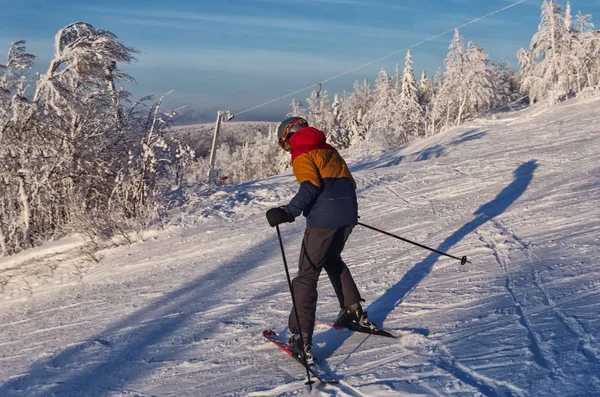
321 249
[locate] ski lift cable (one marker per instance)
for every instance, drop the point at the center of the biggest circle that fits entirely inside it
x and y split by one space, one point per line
381 58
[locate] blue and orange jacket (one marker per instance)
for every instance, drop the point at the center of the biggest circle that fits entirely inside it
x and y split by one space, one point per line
327 194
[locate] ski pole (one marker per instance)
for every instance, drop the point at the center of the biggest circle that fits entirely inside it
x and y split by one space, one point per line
462 260
289 280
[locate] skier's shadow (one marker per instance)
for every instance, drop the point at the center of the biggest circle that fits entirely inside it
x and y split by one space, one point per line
381 308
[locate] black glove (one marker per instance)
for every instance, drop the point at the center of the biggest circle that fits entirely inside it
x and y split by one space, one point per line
275 216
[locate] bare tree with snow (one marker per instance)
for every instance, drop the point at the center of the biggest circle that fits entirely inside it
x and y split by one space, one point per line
19 151
466 87
585 51
76 156
563 56
545 70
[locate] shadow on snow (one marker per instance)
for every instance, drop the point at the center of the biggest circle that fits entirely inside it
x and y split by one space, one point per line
381 308
391 159
122 353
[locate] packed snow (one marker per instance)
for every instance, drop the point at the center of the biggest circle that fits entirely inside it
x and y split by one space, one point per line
181 312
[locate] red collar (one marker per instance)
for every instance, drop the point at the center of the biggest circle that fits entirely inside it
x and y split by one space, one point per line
306 140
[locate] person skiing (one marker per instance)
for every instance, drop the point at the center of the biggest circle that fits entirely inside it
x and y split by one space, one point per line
327 197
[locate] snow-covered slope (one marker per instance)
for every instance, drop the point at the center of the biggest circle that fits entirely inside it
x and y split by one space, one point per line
181 313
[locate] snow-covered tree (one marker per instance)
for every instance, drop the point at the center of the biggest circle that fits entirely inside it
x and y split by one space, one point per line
383 117
505 82
336 116
78 156
20 151
410 110
467 85
426 89
260 157
397 80
427 93
13 73
297 109
546 71
583 23
585 51
446 102
78 96
477 91
318 111
563 56
352 127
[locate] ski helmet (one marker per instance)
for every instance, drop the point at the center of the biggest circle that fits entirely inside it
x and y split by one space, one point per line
287 128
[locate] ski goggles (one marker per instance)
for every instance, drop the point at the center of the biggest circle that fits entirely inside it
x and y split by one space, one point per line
283 142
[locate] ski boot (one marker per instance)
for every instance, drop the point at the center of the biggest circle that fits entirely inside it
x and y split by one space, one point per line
296 346
353 317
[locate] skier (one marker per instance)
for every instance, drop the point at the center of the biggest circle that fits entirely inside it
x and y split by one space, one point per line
327 198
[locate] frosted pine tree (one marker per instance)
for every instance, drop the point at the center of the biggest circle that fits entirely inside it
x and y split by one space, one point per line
297 109
426 96
336 110
334 133
564 56
339 135
476 91
410 110
426 89
318 111
383 117
320 114
353 125
438 107
527 65
397 80
572 62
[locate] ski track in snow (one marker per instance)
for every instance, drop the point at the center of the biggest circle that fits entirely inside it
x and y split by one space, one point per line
181 312
485 385
587 341
536 347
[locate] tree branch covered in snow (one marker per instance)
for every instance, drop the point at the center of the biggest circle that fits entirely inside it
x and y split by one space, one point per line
79 155
564 55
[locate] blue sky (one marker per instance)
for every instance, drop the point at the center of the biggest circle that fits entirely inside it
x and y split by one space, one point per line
235 54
